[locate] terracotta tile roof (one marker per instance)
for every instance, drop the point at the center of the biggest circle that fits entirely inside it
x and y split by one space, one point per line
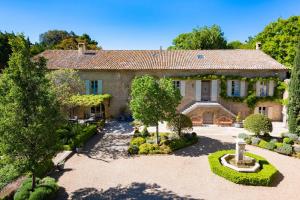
156 59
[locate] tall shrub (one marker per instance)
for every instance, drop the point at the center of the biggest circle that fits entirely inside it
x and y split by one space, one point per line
294 96
180 123
28 110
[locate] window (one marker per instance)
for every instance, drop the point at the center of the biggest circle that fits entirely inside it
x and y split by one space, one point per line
176 84
200 56
94 87
235 89
263 110
95 109
263 91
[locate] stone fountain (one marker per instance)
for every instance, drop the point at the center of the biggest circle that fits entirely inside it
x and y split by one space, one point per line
239 161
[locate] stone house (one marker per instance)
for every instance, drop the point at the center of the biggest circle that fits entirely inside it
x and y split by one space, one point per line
213 83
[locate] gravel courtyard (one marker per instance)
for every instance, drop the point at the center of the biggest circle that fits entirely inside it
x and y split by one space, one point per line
104 171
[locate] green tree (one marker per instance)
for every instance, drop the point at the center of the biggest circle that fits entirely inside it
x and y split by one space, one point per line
60 39
54 37
28 110
65 83
36 48
5 49
294 96
279 39
67 44
235 45
180 123
201 38
153 101
72 43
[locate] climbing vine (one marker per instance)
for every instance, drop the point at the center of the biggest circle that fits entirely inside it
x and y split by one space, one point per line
250 98
88 100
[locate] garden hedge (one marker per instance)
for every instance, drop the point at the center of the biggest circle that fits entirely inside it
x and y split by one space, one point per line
264 177
46 188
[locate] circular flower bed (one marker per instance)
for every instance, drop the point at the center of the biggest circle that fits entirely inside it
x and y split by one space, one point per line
262 177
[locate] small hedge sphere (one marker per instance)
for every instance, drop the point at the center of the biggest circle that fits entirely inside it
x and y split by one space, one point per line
258 124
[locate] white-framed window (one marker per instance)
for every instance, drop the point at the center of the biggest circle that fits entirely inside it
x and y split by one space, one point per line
263 110
263 90
176 84
94 87
235 88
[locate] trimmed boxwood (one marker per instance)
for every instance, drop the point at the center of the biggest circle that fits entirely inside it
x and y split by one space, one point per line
264 177
286 149
258 124
46 188
140 145
288 140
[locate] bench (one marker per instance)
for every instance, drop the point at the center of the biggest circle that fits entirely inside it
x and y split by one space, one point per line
197 121
224 121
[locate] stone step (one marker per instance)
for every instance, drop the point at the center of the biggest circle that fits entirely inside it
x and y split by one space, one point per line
206 105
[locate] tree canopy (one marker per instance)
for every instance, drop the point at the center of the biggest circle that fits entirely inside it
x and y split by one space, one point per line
236 44
153 101
28 109
65 83
201 38
60 39
279 39
54 37
294 96
5 49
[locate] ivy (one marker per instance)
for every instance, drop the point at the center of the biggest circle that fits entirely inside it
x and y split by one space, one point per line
250 99
88 100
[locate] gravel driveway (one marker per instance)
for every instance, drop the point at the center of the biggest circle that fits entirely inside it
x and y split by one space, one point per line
104 171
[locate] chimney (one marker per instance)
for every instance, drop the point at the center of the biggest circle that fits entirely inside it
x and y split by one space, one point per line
81 48
258 45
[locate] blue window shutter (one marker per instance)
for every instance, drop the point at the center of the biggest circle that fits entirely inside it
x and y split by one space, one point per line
99 86
87 86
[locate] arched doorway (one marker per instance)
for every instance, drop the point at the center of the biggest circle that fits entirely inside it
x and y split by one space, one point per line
208 117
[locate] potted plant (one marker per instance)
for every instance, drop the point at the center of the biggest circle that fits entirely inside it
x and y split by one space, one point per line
61 165
79 148
238 121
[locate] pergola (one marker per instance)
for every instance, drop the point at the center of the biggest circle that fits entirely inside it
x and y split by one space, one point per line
84 102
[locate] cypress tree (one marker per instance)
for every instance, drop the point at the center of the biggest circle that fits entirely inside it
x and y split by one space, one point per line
294 96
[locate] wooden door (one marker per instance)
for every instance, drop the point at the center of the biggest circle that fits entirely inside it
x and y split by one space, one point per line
208 118
205 91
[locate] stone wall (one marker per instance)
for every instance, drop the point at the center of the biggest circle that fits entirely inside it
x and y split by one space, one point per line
217 113
274 110
117 83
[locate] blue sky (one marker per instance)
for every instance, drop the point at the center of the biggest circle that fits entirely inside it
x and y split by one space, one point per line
141 24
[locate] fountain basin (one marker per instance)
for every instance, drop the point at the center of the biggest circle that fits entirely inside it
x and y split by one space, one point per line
249 164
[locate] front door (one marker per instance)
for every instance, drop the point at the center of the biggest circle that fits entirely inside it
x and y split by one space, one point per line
208 118
205 91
